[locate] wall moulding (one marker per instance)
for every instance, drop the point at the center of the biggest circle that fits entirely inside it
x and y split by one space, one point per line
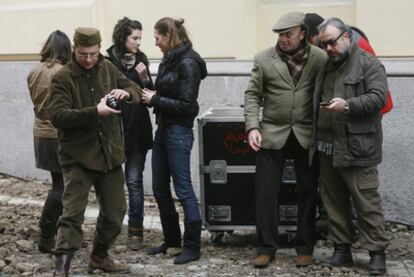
307 2
44 5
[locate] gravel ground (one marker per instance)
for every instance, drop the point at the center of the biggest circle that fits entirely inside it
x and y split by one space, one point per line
19 256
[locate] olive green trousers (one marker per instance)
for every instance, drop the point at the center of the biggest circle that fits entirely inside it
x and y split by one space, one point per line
109 190
337 187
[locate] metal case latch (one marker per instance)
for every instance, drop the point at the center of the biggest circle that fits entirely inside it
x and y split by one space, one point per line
218 172
219 213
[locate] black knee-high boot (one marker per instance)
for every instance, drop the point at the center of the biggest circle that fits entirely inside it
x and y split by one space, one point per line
52 210
192 243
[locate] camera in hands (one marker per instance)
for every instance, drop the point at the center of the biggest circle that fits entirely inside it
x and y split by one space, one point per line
112 102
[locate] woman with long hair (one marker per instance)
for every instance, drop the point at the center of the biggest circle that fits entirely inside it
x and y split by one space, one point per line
126 55
175 105
55 53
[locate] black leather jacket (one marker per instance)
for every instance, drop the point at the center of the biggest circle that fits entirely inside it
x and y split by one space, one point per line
177 85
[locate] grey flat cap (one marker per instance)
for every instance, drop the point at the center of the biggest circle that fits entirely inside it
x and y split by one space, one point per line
289 21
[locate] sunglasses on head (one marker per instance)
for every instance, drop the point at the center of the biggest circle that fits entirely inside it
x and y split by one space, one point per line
331 42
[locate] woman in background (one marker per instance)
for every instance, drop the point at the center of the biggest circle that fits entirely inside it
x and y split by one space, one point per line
133 63
55 53
175 105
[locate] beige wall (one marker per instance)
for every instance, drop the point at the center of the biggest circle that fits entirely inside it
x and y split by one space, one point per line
219 29
25 25
388 25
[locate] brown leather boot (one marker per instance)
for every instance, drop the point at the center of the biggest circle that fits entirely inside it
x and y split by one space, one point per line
303 260
62 265
262 261
106 265
135 237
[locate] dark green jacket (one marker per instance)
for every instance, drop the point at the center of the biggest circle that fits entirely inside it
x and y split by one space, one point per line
286 107
357 136
86 139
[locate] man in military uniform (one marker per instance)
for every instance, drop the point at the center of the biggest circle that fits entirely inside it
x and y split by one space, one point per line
282 79
91 149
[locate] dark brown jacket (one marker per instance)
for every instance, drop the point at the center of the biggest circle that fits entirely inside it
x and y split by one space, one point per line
357 137
86 139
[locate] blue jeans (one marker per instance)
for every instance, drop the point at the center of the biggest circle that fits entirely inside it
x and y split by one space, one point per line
171 158
134 168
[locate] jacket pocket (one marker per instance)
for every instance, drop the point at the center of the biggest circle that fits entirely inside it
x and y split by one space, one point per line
354 86
367 178
361 139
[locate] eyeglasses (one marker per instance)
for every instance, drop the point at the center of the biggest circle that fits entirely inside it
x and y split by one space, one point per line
87 55
331 42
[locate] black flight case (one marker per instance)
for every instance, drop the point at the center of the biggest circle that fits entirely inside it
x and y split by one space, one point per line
227 169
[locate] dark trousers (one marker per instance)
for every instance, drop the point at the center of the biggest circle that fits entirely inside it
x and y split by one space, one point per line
109 189
338 186
269 170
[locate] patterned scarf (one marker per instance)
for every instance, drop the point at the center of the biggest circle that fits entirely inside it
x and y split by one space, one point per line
128 59
296 61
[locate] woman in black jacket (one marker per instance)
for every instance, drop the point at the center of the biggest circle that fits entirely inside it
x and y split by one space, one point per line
127 57
175 105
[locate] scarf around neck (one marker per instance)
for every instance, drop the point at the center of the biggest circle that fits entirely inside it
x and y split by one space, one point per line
295 61
128 59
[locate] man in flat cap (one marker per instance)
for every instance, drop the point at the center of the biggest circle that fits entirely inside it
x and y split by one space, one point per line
282 80
91 149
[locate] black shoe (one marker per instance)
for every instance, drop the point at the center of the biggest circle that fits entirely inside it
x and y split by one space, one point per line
62 265
377 264
158 249
46 245
188 255
164 249
341 256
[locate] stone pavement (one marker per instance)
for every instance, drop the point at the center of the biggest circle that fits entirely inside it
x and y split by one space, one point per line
400 268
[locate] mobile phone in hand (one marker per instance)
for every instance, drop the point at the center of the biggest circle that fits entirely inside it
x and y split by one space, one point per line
324 104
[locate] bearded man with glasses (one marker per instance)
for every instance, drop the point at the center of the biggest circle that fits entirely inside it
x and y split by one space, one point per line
349 94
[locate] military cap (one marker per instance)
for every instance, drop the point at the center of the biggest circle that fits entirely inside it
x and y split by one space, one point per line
87 36
288 22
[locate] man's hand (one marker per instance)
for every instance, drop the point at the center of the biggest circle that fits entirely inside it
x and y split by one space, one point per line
147 95
255 139
335 105
104 110
141 68
120 94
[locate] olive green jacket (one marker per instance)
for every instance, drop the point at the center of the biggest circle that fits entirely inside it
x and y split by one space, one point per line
286 107
357 136
86 139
